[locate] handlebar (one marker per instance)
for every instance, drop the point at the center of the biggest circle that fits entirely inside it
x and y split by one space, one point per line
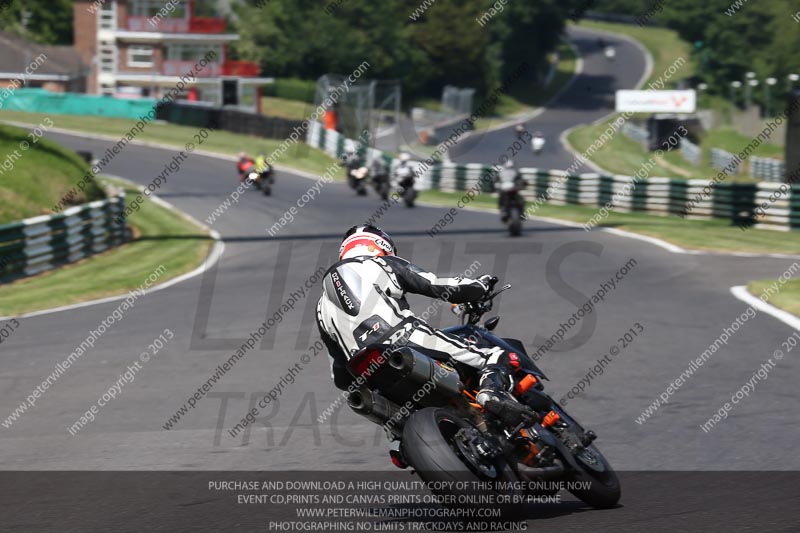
473 311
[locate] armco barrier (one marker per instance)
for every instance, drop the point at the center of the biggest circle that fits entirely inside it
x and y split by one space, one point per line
691 152
737 202
721 159
767 168
45 242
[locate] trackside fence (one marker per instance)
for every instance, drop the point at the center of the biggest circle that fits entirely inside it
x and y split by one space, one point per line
766 205
45 242
767 168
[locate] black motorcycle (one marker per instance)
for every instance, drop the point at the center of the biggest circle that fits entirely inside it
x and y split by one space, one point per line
357 173
404 176
263 180
380 178
429 409
513 207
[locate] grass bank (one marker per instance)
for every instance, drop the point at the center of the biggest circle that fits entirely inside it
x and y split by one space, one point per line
163 237
788 299
36 174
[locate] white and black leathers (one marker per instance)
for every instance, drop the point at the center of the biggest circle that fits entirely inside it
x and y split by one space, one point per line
363 302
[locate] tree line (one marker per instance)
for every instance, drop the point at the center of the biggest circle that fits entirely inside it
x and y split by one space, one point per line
425 45
730 38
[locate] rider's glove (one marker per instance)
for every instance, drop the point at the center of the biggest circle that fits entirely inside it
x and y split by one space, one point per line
486 282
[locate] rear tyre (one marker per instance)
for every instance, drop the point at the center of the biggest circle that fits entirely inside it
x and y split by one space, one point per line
431 446
515 222
409 196
267 190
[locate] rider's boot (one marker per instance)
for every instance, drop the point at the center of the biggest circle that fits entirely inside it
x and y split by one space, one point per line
494 396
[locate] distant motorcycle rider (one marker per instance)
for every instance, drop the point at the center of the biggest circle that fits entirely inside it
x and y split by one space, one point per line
356 171
404 172
364 303
403 165
378 167
509 178
520 130
537 142
404 178
244 165
353 160
261 163
379 171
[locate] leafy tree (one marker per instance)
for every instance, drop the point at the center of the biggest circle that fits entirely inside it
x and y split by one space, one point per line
443 45
44 21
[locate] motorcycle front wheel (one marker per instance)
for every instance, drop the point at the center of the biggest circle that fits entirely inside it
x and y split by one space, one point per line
599 484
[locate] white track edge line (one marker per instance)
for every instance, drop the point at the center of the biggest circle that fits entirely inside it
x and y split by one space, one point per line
741 293
307 175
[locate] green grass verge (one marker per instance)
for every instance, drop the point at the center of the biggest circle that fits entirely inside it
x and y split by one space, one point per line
623 155
788 299
716 235
299 156
664 45
162 238
734 142
35 179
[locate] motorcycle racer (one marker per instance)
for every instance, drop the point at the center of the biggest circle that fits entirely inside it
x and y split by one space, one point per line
363 303
509 178
244 165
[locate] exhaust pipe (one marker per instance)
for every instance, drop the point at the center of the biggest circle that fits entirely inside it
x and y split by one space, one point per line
376 408
428 379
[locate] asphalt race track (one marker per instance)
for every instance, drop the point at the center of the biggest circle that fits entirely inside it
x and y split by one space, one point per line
589 97
681 302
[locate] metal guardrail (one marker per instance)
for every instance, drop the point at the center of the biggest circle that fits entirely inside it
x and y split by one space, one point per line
45 242
661 196
767 168
721 159
636 132
691 152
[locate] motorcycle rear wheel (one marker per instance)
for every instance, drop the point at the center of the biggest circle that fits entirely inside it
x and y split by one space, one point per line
409 196
515 222
430 446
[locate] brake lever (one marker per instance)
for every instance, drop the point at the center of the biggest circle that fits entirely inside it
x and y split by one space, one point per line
504 288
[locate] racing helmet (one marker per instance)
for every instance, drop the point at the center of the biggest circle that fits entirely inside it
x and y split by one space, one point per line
366 239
